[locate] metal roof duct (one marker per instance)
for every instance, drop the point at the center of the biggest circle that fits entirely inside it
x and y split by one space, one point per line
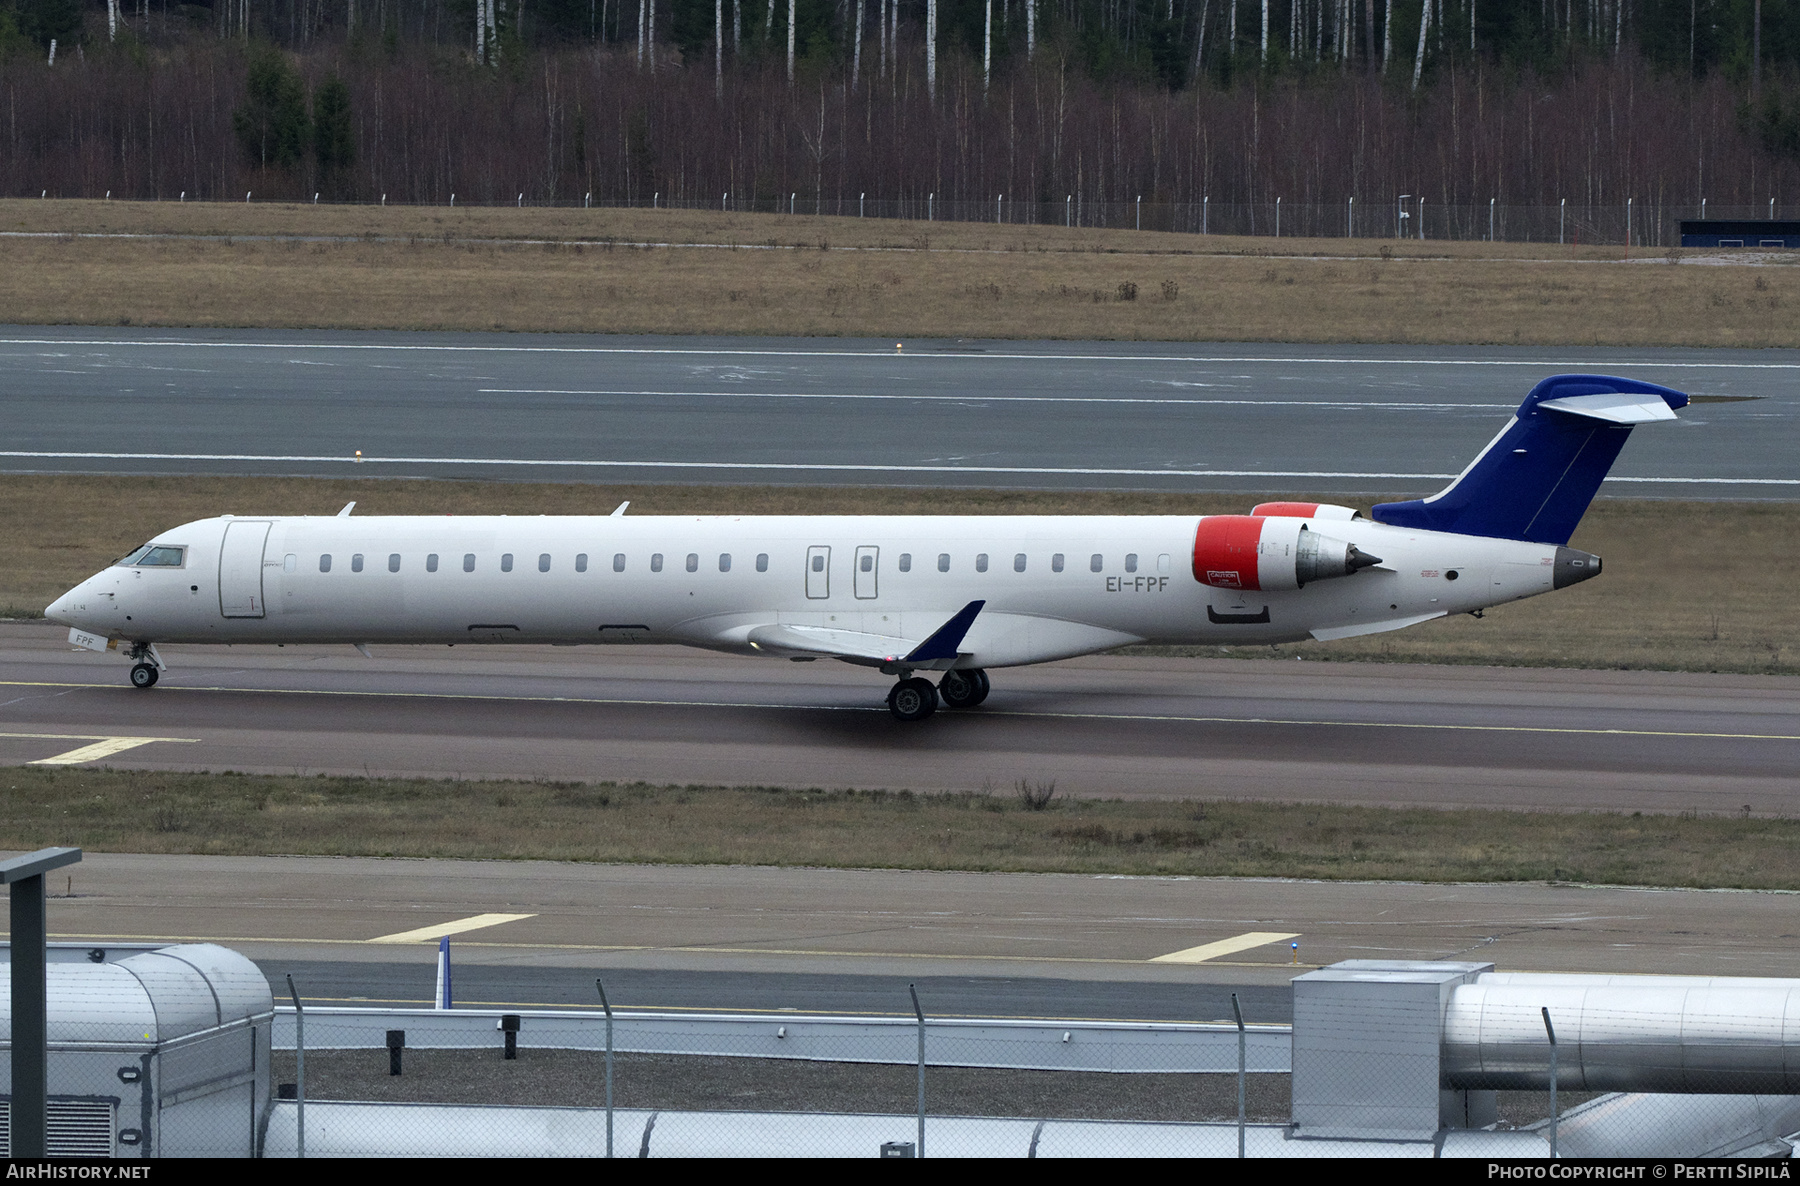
1663 1034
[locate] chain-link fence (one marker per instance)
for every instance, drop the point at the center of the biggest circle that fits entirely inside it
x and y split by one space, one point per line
395 1082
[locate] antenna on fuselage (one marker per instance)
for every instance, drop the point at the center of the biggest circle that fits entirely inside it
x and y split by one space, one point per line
345 513
619 510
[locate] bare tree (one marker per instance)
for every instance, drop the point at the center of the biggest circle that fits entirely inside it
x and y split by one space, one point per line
931 48
791 10
856 54
1424 30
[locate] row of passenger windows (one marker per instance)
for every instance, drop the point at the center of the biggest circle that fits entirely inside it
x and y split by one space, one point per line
543 562
1096 562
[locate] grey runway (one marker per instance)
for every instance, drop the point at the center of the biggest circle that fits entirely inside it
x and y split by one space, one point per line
1103 725
1087 415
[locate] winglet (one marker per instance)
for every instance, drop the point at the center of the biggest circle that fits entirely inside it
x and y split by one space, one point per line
946 638
620 509
345 513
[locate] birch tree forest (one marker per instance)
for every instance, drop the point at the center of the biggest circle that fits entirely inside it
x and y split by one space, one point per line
822 104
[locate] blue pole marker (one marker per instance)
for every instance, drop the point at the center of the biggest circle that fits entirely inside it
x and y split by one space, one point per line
443 970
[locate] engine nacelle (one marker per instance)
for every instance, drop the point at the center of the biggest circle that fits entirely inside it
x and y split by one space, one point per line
1305 510
1270 554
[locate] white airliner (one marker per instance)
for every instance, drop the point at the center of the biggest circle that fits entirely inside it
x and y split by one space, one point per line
900 594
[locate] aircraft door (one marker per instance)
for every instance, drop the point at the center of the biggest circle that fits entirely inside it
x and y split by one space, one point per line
818 571
868 567
241 569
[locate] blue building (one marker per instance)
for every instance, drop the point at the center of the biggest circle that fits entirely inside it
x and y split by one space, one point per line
1719 232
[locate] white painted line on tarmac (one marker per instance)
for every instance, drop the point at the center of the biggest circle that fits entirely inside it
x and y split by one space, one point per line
458 926
1231 946
821 467
921 352
1200 402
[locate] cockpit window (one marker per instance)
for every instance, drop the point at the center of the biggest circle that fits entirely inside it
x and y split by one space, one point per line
155 556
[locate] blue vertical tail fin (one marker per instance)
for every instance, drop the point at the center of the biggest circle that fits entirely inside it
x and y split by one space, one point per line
1535 480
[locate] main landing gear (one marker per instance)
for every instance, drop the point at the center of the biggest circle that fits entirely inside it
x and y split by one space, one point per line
143 675
914 699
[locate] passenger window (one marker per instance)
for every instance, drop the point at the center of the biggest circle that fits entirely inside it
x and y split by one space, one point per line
981 562
693 562
431 562
1096 562
393 562
867 563
1162 563
581 562
1131 562
469 562
1056 562
656 562
356 562
291 563
762 562
1019 562
544 562
906 562
943 562
724 561
506 562
618 562
325 562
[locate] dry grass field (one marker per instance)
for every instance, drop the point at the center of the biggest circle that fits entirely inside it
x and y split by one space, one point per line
136 811
1687 586
233 264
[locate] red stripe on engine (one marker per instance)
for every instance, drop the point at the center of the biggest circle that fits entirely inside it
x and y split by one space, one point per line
1225 555
1286 510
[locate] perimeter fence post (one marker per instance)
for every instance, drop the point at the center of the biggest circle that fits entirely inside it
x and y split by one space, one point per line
24 878
920 1014
299 1069
609 1065
1242 1060
1551 1031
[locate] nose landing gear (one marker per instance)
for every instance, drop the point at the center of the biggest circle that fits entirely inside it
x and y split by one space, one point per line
146 664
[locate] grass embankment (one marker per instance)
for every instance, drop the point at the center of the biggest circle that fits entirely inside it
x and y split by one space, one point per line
455 269
132 811
1687 586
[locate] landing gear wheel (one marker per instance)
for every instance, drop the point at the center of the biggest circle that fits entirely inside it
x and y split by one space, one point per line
143 675
912 699
963 689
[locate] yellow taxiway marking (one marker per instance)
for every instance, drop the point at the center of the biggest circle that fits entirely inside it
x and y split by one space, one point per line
1211 951
1169 718
474 922
102 746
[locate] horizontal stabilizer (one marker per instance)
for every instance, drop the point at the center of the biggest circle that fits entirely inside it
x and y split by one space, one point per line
1613 407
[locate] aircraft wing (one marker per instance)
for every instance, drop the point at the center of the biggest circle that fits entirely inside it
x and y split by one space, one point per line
937 652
